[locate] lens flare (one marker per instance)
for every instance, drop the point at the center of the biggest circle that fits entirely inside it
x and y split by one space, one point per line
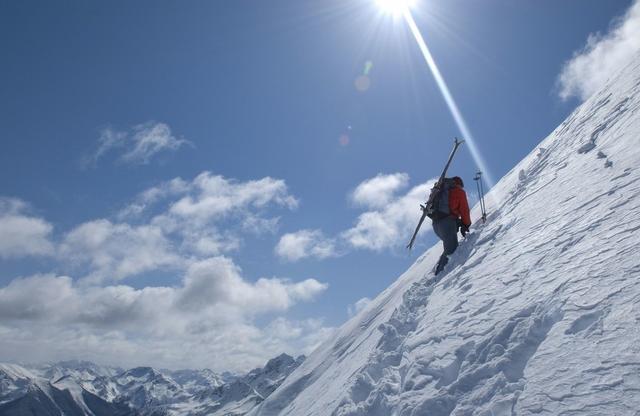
395 7
448 98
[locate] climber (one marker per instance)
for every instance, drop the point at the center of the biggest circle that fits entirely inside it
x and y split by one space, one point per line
453 216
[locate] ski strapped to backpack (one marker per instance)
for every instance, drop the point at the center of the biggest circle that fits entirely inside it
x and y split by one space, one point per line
436 203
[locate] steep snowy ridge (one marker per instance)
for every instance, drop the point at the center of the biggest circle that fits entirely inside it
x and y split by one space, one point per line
538 310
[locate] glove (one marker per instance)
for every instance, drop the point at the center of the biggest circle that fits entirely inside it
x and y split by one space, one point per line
464 229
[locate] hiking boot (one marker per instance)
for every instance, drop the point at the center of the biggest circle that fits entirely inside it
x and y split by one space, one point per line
441 263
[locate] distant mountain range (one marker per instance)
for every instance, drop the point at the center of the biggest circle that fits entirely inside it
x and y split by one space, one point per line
81 388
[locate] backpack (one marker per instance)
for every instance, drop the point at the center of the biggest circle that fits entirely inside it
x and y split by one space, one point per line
438 205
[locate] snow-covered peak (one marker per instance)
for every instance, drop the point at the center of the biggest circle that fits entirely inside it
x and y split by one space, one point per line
25 392
91 375
15 372
195 381
147 387
265 380
14 381
84 388
141 375
67 383
88 367
536 313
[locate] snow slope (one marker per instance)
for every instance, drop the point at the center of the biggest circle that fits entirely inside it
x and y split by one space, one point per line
538 311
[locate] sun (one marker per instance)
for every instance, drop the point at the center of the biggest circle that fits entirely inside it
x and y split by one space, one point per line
395 7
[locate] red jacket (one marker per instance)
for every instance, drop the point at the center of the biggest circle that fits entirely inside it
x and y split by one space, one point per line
458 205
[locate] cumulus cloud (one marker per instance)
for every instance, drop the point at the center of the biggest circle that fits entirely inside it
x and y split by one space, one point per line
377 192
117 251
22 233
216 281
138 145
174 223
604 54
182 231
151 196
388 225
208 320
388 221
197 211
305 243
213 196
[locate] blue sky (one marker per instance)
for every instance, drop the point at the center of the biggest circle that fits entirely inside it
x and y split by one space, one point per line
210 183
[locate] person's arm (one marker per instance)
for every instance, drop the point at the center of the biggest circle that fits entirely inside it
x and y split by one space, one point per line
464 209
459 206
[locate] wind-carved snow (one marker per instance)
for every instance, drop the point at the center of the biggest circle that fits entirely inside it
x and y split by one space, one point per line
538 311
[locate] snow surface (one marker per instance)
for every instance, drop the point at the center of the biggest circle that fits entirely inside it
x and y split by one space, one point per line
537 312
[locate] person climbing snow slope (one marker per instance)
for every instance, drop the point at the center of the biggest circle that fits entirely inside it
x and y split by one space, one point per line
453 215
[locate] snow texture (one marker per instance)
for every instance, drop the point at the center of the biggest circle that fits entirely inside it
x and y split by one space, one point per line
537 312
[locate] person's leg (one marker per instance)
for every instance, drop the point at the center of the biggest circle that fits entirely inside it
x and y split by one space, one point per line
447 230
437 228
449 235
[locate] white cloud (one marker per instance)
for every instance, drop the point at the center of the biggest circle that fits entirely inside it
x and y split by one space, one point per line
138 145
303 244
34 298
217 281
601 57
22 234
209 241
197 211
360 304
384 226
213 196
377 192
209 198
148 140
117 251
176 223
208 320
149 197
212 316
390 225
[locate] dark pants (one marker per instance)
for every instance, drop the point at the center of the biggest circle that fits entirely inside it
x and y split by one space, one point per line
447 229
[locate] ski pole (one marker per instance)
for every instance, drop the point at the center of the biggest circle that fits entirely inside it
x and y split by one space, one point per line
478 179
